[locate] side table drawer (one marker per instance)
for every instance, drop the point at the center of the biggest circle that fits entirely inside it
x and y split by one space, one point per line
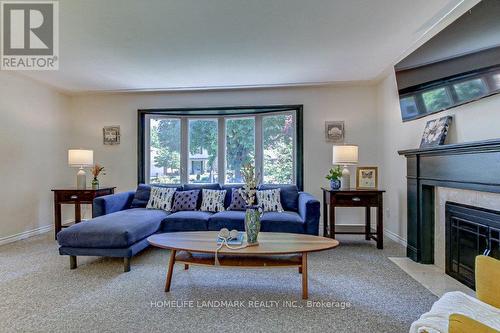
361 200
65 196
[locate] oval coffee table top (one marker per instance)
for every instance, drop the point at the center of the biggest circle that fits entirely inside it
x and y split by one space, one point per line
269 243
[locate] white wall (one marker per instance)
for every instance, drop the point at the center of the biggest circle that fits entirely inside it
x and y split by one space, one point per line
34 123
471 122
354 104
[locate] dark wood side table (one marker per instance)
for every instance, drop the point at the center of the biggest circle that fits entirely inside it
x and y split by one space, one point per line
77 198
354 198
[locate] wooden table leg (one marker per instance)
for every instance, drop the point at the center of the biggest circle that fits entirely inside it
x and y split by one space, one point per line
126 264
170 270
380 224
304 276
78 212
57 218
325 216
332 220
186 266
367 223
72 262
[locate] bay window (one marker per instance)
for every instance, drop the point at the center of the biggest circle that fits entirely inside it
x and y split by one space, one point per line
178 146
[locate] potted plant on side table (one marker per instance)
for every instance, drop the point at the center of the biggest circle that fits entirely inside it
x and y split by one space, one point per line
334 177
96 170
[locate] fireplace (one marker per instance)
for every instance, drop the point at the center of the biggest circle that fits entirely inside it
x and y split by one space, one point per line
470 231
473 166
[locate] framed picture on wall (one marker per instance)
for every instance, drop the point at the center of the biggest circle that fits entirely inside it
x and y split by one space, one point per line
335 131
366 178
111 135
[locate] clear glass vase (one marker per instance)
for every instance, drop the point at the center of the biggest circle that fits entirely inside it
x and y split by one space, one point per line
95 183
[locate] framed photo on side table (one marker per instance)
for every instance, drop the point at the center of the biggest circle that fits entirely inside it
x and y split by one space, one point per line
366 178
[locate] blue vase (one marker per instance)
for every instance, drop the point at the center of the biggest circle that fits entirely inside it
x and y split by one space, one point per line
335 184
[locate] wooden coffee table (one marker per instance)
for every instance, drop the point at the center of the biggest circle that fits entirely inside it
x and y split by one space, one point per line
274 250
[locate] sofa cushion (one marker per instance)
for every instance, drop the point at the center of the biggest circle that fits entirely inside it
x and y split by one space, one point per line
289 195
231 219
185 200
282 222
212 186
115 230
186 221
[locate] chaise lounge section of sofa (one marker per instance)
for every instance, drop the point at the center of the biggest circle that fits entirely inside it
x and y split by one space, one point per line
121 222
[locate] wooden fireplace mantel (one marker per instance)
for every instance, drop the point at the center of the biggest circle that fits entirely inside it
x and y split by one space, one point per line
472 166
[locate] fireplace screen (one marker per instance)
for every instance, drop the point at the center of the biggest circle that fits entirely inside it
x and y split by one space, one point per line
470 231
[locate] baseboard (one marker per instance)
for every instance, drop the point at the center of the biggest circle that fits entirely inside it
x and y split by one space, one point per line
395 237
25 234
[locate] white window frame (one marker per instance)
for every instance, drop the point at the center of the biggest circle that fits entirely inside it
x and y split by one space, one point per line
221 144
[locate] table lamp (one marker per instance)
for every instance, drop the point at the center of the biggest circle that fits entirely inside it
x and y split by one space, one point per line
80 158
345 155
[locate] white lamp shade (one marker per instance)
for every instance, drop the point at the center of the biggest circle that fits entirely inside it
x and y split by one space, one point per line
80 157
345 155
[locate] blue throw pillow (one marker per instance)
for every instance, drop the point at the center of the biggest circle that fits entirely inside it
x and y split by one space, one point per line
185 200
141 196
237 201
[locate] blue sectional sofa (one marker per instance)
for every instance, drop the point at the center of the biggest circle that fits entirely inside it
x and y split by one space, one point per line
121 223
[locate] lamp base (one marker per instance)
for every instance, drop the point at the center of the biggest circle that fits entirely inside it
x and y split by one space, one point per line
81 179
345 182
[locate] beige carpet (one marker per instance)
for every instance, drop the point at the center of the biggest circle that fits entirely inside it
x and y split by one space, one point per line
358 289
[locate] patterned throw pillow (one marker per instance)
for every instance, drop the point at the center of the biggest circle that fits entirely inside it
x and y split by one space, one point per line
270 200
237 201
213 200
185 200
161 198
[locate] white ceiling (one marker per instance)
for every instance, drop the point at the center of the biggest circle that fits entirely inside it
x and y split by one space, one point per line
184 44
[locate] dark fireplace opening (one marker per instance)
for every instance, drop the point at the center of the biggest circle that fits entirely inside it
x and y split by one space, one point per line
470 231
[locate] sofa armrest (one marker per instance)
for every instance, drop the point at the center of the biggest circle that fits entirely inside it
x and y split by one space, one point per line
112 203
309 211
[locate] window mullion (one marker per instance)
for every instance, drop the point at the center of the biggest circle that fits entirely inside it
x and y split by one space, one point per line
184 150
221 150
259 151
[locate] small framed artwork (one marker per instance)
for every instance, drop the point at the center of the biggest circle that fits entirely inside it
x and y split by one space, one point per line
366 178
111 135
335 131
435 132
